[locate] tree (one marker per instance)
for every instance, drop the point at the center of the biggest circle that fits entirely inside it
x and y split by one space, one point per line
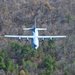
69 18
42 72
9 66
67 72
49 65
51 43
22 72
27 73
16 69
23 63
27 64
44 44
51 47
49 6
27 51
3 53
2 64
16 47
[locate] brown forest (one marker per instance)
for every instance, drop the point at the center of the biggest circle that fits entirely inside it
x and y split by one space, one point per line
53 57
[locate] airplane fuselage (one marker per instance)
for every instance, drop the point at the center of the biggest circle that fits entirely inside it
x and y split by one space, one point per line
35 41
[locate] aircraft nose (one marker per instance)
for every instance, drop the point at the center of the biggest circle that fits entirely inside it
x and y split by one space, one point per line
35 47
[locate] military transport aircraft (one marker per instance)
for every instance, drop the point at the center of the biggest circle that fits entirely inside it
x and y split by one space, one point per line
35 37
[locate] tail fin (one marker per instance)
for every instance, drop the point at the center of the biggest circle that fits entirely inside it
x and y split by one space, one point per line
31 28
35 23
35 27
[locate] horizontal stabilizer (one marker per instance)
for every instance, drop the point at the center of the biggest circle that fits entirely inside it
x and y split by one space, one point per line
41 28
27 28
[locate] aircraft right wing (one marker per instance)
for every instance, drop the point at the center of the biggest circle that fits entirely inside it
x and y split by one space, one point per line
51 36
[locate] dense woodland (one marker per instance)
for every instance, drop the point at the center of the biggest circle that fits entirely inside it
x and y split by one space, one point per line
54 56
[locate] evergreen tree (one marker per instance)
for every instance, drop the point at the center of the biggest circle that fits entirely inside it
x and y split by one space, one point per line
16 47
9 66
3 53
49 65
2 64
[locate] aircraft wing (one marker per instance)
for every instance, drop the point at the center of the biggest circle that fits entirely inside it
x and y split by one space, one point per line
20 36
51 37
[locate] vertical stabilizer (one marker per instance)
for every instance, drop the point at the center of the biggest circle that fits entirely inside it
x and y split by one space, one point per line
35 23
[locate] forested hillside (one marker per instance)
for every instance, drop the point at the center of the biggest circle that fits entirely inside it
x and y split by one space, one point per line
53 57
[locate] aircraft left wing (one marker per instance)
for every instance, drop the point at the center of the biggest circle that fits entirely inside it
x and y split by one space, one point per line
18 36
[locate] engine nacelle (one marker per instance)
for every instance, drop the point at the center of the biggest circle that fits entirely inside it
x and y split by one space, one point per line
27 39
19 38
50 38
43 39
